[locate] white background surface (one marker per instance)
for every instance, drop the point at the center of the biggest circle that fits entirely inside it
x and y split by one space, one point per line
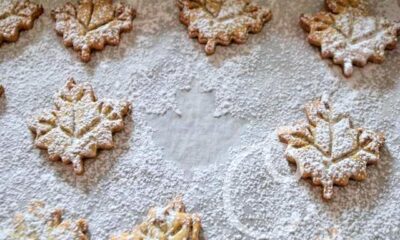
203 127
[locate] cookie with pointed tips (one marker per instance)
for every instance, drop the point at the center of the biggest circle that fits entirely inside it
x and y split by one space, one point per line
220 22
170 222
16 16
79 125
92 24
349 35
328 149
40 222
339 6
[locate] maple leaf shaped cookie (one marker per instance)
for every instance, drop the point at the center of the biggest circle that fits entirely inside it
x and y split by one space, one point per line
170 222
92 24
79 125
338 6
16 16
216 22
328 148
349 35
41 223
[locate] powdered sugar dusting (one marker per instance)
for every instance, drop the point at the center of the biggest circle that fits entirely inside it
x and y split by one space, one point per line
214 22
329 149
248 192
39 221
351 37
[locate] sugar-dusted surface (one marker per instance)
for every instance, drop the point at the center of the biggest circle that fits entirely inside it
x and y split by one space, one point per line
226 160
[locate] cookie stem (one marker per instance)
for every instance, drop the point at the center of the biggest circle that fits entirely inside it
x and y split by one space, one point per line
210 46
77 164
328 190
348 67
85 54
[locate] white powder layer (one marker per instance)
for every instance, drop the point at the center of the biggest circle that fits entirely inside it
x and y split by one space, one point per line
224 157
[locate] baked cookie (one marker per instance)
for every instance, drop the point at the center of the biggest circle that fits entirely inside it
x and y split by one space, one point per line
79 125
349 34
328 149
16 16
216 22
39 222
92 24
170 222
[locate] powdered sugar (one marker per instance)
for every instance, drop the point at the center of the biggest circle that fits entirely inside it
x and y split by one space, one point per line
329 149
79 125
214 22
260 85
92 25
351 37
40 222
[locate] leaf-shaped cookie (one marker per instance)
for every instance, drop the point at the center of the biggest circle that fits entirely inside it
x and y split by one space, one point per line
79 125
338 6
16 16
39 223
328 148
92 24
349 35
216 22
171 222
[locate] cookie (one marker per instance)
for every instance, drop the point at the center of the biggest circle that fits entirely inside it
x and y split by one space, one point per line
328 149
39 222
16 16
78 125
339 6
92 24
170 222
216 22
349 34
1 90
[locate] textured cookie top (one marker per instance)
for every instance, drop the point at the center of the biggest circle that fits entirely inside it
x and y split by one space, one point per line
328 148
170 222
338 6
92 24
16 16
349 34
222 21
42 223
79 124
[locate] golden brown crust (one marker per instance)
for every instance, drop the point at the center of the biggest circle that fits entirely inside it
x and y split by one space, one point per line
92 24
17 16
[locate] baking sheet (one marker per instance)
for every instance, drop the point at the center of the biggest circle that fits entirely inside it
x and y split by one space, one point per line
203 127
